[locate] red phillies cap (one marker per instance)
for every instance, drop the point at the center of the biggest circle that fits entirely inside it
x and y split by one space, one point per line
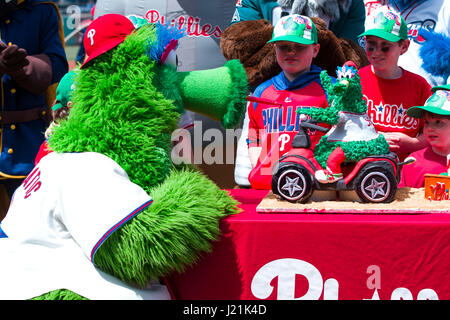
105 33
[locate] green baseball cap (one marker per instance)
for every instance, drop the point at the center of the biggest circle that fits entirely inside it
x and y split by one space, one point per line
295 28
438 103
386 24
137 21
64 90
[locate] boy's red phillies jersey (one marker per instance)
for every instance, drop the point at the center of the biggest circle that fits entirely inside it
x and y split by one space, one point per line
387 100
273 127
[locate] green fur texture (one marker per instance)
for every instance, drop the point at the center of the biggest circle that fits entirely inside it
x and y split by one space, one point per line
354 151
126 106
62 294
119 112
238 94
225 91
340 98
344 98
183 219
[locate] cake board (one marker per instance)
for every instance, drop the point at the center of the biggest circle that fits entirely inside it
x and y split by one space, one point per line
408 201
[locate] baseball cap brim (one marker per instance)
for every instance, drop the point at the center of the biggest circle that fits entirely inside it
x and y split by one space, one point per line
381 34
57 106
417 112
443 87
292 38
106 47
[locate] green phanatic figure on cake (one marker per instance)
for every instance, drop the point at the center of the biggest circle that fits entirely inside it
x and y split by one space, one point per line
352 136
105 214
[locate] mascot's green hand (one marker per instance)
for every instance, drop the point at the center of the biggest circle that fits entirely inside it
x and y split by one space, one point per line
327 115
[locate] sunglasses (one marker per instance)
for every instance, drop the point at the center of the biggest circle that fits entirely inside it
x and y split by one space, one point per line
290 47
373 47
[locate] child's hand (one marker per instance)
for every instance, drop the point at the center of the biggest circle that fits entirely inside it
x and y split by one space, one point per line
402 143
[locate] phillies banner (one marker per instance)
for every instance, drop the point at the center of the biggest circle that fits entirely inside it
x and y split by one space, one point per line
204 22
279 256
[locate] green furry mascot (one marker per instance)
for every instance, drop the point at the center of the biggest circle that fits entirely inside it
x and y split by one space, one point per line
353 136
119 214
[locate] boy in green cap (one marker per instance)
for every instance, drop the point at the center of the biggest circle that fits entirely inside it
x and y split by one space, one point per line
273 120
60 109
62 105
434 158
388 89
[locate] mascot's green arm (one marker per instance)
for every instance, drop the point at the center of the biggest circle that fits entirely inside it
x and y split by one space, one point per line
169 235
326 115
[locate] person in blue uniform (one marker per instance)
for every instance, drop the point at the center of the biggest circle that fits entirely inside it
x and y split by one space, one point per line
32 58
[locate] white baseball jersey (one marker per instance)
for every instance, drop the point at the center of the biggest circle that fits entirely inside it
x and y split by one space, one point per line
431 14
64 210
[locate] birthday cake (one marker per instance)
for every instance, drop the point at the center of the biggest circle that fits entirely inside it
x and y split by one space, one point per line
351 169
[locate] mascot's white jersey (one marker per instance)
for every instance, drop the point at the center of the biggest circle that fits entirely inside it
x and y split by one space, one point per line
61 214
430 14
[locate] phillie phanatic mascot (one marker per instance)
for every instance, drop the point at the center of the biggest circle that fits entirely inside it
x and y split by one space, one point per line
106 214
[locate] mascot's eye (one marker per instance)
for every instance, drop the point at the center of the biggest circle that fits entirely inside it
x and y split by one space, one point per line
172 59
344 76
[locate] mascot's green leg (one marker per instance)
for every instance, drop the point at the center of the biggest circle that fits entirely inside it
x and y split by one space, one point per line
354 150
62 294
168 235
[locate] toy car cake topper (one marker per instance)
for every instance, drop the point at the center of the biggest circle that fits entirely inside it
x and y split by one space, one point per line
352 155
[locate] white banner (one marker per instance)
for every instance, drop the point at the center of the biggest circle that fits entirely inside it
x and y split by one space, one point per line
204 22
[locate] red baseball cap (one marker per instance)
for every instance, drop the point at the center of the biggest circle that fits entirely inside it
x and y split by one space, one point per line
104 33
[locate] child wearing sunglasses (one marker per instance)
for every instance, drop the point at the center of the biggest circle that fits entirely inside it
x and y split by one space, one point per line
388 89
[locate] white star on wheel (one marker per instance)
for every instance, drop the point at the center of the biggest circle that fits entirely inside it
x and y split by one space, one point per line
376 188
291 186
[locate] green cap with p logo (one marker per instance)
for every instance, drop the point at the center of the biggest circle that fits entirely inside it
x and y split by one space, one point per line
295 28
386 24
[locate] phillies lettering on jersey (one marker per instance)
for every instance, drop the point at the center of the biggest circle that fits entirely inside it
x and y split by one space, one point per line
390 115
267 119
388 99
273 126
32 183
279 119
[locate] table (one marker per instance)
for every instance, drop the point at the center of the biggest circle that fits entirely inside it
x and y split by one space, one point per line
321 256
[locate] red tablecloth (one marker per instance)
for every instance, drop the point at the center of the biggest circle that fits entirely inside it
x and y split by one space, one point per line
321 256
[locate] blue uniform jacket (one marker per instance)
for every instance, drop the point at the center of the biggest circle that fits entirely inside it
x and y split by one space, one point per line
35 28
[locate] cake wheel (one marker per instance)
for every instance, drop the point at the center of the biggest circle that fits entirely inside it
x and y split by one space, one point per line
376 184
293 183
